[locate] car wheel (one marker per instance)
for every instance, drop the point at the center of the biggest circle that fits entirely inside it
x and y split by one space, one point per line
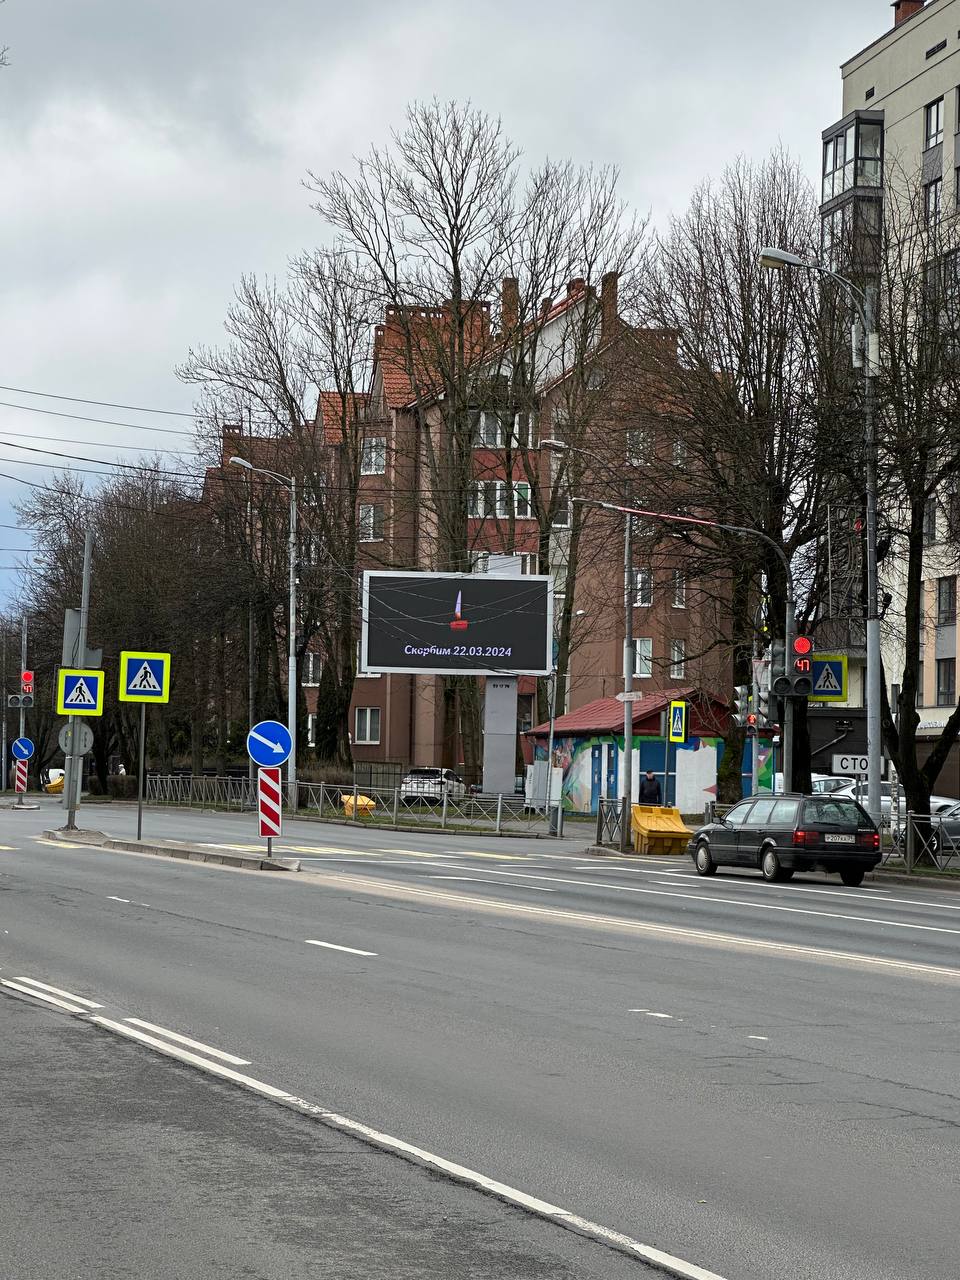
703 860
852 876
770 865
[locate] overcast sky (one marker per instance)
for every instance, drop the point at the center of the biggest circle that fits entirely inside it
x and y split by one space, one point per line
151 152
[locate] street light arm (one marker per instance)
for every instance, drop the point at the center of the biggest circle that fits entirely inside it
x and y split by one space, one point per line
261 471
696 520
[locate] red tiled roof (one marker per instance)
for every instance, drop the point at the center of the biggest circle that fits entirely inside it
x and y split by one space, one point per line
605 715
425 328
330 413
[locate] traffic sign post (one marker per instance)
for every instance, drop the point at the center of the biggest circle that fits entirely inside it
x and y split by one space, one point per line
144 677
269 805
20 779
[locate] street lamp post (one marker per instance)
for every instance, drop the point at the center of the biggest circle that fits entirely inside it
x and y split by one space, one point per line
862 300
559 446
291 485
790 609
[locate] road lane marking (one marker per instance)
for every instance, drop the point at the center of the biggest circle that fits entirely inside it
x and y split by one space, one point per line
506 884
57 844
332 946
758 1037
461 1173
39 995
678 932
650 1014
194 1044
58 991
172 1051
111 897
705 897
411 853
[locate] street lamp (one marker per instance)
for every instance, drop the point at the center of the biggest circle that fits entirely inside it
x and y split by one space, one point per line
559 446
291 484
862 301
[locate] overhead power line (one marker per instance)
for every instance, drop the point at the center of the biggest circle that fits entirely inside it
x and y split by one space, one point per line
106 422
105 404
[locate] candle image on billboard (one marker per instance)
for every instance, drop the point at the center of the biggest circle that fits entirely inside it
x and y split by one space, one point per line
459 623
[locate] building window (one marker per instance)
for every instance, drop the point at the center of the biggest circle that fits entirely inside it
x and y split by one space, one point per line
918 700
513 499
528 562
361 674
311 730
946 682
479 561
643 588
679 589
838 158
373 458
370 526
678 659
563 516
932 200
639 446
310 669
930 521
643 657
367 726
487 430
869 153
946 601
933 123
679 452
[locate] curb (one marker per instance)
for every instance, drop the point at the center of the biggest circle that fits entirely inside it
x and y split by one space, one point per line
174 849
931 880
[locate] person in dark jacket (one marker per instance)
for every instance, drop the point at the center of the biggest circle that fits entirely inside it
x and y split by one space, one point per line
649 790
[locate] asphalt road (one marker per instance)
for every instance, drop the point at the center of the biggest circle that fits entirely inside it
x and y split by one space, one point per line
760 1079
117 1164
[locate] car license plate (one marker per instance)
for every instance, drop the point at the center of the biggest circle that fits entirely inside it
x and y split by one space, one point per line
831 839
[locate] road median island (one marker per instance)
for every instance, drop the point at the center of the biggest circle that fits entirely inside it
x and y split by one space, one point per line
173 849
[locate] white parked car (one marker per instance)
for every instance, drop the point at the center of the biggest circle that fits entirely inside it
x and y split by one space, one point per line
429 785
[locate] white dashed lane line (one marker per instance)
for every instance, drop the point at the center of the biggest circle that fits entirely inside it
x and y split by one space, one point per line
504 884
333 946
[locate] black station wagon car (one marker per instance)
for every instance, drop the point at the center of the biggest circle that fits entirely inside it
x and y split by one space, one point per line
784 834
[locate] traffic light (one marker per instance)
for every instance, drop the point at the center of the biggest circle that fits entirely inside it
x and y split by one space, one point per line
741 704
797 682
763 706
752 725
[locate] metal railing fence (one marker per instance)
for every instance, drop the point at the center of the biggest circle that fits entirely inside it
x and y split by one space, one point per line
373 806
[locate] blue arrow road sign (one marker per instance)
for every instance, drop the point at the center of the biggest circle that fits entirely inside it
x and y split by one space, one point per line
22 748
269 742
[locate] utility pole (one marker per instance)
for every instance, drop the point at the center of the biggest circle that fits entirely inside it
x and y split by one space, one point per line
74 761
23 667
874 756
628 665
3 732
292 655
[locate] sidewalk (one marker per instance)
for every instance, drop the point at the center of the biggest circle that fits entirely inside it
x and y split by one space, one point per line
116 1163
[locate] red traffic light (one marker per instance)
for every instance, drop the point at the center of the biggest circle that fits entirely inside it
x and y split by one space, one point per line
751 720
26 677
802 645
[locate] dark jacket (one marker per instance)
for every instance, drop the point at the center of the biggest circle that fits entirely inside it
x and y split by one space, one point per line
648 791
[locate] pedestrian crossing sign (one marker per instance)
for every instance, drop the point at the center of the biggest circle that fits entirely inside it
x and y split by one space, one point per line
829 678
144 677
79 693
678 722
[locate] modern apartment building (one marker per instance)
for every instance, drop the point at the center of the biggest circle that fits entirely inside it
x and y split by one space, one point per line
900 124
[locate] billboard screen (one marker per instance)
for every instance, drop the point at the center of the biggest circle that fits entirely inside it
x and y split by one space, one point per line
456 624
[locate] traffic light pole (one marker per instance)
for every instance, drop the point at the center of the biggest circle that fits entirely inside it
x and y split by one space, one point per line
755 744
23 667
786 737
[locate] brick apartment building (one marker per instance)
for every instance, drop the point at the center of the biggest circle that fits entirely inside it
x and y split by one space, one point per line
403 718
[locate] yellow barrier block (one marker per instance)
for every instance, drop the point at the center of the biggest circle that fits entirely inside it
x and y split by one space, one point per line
658 829
365 806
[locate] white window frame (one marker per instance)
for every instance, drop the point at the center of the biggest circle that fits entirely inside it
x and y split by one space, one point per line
643 657
363 717
364 675
363 533
517 491
489 432
679 589
678 659
563 517
528 562
310 669
311 729
373 456
643 588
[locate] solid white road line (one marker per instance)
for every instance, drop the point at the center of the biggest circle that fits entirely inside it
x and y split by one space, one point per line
758 1037
539 888
38 995
650 1014
57 991
706 897
680 933
113 898
185 1056
542 1208
332 946
194 1044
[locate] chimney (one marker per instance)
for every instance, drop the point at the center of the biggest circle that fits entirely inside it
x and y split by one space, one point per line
546 305
575 286
509 304
609 316
904 9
